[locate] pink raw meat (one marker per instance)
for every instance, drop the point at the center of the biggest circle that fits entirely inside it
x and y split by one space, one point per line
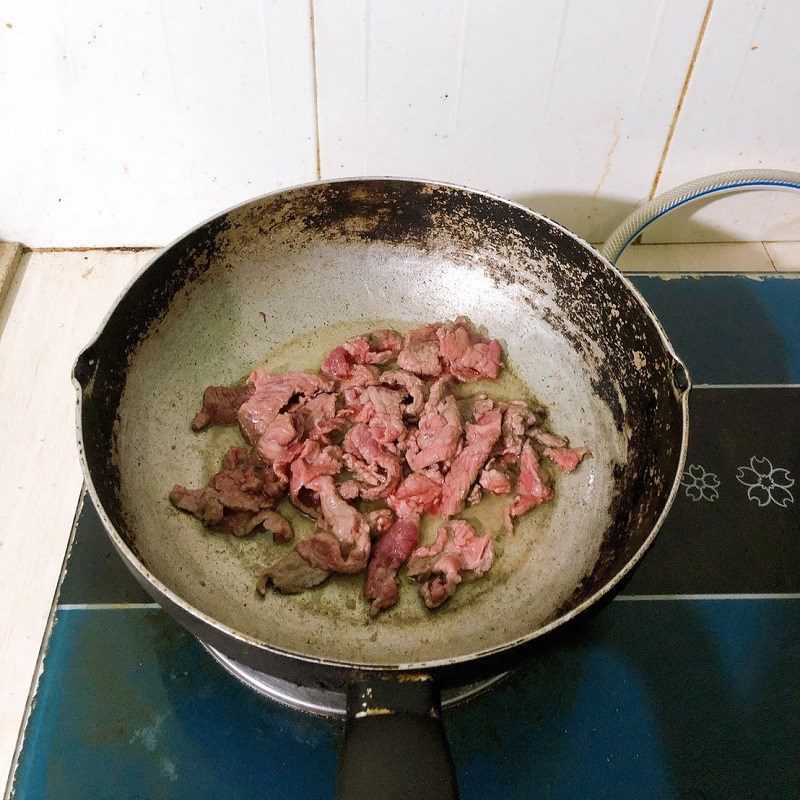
271 394
313 462
480 437
221 405
533 488
565 458
377 347
416 494
468 355
376 469
382 409
420 353
457 551
410 386
495 480
439 433
341 542
389 553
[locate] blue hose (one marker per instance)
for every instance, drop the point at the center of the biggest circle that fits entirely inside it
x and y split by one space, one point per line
647 213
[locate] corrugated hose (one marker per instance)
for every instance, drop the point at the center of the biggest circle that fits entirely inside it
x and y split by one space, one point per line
652 210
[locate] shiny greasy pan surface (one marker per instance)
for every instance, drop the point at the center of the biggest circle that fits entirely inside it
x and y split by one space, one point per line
285 277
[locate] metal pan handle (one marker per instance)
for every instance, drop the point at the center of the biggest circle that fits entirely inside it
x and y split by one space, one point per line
85 367
680 376
395 746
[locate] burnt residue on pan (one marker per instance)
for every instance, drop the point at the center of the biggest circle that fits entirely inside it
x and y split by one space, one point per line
545 272
593 310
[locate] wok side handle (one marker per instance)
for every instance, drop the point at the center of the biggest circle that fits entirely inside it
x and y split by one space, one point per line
680 376
85 367
395 745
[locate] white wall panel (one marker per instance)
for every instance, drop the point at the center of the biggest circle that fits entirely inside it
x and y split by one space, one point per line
742 109
125 123
563 105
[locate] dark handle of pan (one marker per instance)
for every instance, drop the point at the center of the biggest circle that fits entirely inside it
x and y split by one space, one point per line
395 746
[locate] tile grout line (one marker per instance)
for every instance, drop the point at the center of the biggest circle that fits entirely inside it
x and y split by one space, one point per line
93 249
774 269
766 252
315 94
11 255
679 107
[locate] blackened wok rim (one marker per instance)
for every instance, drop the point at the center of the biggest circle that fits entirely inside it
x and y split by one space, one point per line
151 580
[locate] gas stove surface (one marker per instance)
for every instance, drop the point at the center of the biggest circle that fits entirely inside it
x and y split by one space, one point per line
685 686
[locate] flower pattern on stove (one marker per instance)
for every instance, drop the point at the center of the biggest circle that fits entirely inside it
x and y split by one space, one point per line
699 484
766 484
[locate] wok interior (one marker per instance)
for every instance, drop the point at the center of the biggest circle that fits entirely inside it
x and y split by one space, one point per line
285 279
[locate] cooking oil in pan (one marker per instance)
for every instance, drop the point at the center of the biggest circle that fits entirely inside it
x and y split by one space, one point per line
340 596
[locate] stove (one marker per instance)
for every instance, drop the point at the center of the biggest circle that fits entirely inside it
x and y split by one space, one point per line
686 686
323 702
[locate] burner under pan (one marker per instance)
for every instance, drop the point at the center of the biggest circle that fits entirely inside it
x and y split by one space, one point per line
686 684
323 702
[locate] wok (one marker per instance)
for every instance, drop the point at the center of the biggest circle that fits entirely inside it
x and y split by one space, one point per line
287 276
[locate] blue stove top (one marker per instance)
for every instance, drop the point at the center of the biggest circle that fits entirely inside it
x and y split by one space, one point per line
686 686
